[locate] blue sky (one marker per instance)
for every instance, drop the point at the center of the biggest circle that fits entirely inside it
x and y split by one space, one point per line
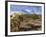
26 9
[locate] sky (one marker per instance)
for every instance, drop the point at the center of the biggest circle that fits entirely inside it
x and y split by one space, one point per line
26 9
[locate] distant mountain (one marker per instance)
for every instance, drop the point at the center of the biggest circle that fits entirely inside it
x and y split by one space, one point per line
25 12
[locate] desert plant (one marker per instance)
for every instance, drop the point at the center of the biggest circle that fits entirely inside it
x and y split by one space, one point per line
35 16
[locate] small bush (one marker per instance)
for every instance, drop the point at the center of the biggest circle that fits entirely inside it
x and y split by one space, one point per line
35 16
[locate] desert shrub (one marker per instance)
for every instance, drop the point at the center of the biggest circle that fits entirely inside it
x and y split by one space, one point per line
20 18
35 16
15 21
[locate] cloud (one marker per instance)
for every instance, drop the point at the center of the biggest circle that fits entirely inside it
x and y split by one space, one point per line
26 9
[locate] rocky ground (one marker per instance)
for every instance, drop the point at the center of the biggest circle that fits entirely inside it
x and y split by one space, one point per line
25 22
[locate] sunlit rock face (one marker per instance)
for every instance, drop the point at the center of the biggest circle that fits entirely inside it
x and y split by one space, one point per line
15 14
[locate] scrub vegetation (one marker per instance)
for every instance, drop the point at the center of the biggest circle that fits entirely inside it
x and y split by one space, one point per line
25 22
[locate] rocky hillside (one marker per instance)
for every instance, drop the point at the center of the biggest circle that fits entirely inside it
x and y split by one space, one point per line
25 22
